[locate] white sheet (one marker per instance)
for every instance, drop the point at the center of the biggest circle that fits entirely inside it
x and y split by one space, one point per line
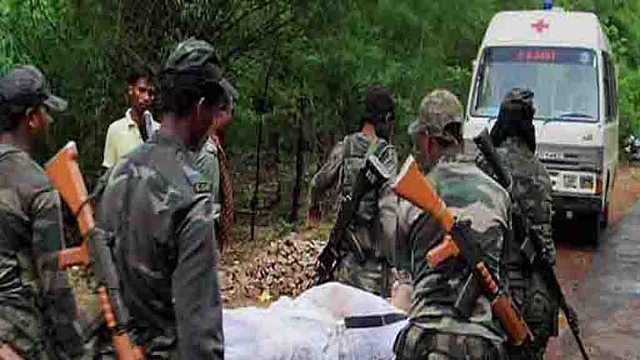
311 327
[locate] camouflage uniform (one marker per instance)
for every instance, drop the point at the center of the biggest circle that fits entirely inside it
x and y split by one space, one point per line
345 161
37 306
436 329
36 301
531 191
160 210
207 158
435 326
208 163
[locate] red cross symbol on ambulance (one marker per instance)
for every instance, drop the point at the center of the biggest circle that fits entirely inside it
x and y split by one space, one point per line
540 26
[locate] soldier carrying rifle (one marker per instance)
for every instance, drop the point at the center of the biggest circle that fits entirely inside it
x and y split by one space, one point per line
37 308
452 311
359 252
529 252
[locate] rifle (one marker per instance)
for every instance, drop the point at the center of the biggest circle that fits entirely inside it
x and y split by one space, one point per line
532 245
64 173
372 175
413 186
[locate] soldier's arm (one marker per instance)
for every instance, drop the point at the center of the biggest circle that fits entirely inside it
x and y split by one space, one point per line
196 288
388 202
406 215
57 300
326 176
207 163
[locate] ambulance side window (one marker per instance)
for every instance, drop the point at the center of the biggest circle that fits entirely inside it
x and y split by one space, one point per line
610 89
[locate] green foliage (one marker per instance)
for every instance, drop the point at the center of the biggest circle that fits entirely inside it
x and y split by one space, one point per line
621 21
328 51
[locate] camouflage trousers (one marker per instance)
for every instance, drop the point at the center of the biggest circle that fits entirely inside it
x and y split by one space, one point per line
416 343
539 309
541 314
367 276
23 331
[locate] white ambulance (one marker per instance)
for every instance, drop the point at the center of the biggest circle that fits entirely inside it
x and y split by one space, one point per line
566 60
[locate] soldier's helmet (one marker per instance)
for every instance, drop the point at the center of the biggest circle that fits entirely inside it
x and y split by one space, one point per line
440 115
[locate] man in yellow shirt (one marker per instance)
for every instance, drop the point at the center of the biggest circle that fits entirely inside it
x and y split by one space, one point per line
137 125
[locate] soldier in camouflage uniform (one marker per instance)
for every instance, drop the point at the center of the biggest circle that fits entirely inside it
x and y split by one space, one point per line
211 161
159 208
36 301
375 222
437 329
208 156
514 137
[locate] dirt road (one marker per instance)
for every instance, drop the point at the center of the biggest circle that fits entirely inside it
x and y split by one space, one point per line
603 283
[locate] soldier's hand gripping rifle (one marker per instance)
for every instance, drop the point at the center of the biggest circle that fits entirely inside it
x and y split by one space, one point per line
532 245
413 186
373 174
64 173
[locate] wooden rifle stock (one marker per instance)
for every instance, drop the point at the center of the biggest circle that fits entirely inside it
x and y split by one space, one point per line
503 307
413 186
65 175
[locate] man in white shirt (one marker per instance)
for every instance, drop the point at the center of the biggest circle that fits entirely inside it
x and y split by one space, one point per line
137 125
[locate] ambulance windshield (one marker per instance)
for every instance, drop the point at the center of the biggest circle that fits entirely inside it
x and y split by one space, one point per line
564 81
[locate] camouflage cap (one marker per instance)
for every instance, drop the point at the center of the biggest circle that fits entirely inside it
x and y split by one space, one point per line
437 110
190 54
25 86
193 54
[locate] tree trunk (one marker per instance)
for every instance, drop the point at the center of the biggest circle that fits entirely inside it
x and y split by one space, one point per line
274 143
254 199
295 198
